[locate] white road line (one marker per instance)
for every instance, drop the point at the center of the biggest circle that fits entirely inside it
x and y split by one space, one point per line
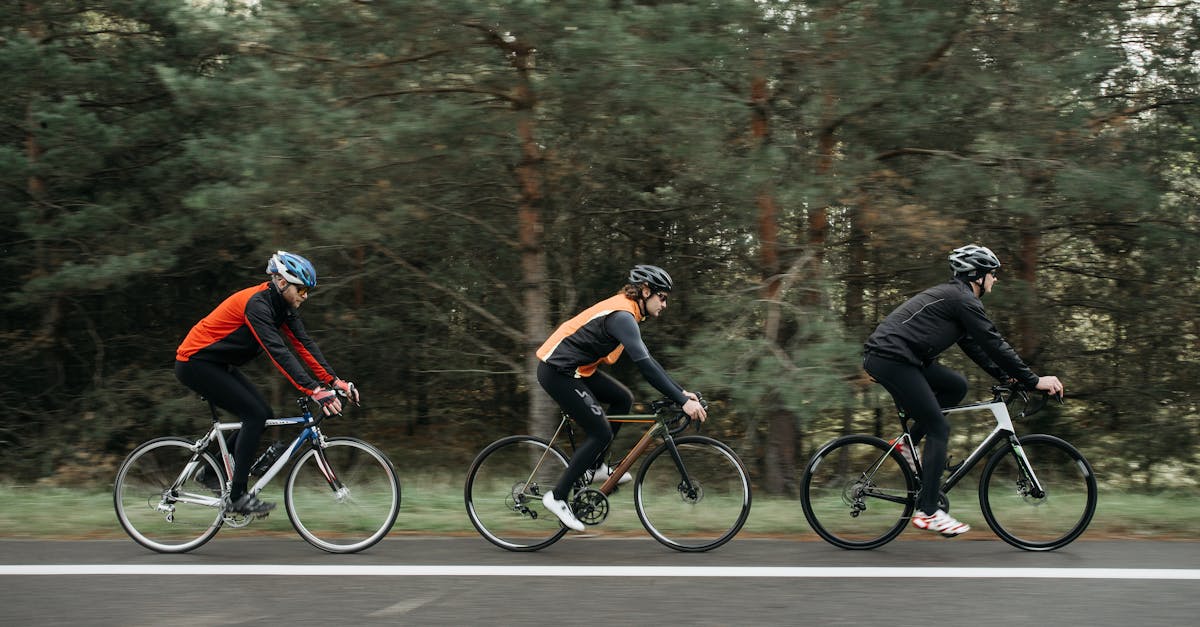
783 572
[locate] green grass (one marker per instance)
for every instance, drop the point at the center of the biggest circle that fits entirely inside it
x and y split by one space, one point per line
434 506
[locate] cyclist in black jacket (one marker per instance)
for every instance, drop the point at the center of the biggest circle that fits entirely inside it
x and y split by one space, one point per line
902 356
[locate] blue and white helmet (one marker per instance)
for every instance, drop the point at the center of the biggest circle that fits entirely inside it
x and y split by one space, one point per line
293 268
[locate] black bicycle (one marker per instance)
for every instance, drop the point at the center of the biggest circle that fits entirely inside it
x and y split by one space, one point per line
1037 492
691 494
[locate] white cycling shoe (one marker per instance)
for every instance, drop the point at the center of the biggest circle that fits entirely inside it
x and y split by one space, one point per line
601 474
939 522
563 511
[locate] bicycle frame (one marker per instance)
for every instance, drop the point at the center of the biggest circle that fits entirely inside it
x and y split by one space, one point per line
311 433
1004 430
658 426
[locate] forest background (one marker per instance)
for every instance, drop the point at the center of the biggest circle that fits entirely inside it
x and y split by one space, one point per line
466 174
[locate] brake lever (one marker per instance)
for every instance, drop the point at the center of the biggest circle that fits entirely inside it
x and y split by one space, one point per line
346 395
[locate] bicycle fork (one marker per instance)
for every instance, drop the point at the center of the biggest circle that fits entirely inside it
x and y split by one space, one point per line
688 488
1034 487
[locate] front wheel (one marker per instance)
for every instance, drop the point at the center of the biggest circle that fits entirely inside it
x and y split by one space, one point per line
504 491
693 495
342 498
1033 519
857 495
161 502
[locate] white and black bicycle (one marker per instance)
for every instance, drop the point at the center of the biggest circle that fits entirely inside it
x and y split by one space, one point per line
1037 492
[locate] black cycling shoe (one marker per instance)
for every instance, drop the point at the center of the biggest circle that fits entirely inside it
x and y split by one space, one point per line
250 505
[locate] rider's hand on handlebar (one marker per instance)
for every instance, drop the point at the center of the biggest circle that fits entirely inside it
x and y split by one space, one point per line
693 408
329 401
347 388
1051 385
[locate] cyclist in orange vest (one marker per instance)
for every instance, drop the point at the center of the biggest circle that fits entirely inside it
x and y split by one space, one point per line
568 372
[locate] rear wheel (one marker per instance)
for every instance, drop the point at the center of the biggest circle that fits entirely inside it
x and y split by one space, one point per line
855 494
162 504
1038 520
504 491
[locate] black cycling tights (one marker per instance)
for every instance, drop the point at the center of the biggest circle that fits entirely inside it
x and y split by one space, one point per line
230 390
922 393
581 399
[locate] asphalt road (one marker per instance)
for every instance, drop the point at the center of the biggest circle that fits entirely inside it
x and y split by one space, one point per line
597 581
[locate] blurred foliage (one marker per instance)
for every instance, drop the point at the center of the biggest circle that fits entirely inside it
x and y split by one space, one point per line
153 154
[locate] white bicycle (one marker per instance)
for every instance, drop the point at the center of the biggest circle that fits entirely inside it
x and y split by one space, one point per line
1037 492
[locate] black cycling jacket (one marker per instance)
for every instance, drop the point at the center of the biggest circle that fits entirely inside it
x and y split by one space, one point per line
928 323
251 321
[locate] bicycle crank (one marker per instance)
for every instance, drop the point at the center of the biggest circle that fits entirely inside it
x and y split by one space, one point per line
590 506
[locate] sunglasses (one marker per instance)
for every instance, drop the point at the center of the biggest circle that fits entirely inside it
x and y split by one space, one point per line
300 289
662 295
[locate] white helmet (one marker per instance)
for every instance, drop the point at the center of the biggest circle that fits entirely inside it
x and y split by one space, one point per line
973 260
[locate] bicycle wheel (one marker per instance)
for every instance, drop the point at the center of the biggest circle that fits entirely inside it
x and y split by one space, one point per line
698 514
1038 522
504 490
342 498
855 495
160 508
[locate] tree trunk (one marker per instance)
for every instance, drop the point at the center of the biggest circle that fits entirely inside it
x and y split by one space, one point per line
1027 325
534 296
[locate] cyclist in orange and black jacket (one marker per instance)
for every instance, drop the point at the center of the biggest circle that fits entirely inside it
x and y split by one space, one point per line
255 319
901 354
568 372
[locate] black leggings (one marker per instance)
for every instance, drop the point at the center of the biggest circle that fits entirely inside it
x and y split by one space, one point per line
581 399
922 393
230 390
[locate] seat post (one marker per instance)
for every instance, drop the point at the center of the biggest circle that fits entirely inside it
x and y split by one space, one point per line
212 407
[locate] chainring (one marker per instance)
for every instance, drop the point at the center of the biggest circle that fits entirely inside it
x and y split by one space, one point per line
590 506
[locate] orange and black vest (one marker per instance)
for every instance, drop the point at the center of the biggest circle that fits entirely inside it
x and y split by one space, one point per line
582 343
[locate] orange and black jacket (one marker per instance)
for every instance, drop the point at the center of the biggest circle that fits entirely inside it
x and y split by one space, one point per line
599 334
250 321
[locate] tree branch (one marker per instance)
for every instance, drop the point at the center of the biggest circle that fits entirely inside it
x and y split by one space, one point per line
454 295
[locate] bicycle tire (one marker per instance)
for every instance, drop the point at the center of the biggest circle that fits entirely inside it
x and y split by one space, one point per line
700 516
1026 521
855 495
504 504
155 509
356 510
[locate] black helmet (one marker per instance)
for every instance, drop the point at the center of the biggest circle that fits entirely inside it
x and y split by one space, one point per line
973 260
654 276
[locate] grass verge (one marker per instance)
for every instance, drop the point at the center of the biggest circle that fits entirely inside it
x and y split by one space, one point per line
434 506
